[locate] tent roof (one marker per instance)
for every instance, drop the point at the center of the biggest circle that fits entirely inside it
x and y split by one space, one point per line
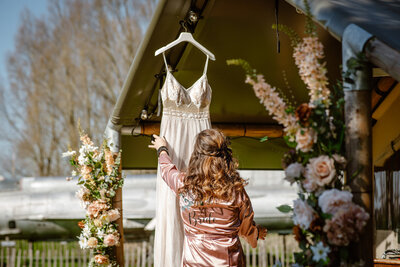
381 18
230 29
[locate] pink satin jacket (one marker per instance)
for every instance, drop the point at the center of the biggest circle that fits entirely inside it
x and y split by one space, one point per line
212 231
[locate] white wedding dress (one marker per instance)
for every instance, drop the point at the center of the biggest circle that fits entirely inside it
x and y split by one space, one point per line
185 114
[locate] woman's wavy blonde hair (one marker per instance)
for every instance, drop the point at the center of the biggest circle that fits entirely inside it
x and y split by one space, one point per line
212 173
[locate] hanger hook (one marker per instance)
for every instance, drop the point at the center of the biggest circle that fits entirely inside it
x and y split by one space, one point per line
183 25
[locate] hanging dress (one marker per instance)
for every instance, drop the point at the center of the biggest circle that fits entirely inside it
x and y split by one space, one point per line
185 114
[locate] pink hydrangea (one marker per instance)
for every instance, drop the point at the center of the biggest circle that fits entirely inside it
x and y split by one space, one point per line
346 225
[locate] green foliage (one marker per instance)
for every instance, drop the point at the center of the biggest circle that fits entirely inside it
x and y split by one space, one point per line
353 65
265 138
289 143
292 34
244 64
311 28
285 208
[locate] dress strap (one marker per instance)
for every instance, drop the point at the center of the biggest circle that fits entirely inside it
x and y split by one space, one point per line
206 65
165 61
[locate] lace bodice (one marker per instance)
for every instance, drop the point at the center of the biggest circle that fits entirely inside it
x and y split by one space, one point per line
177 99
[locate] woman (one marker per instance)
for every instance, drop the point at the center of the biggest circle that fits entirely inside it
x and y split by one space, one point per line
215 207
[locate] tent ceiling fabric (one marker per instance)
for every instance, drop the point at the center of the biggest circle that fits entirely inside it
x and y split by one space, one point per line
381 18
229 29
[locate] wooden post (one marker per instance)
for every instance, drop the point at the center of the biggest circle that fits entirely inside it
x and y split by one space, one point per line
119 250
359 155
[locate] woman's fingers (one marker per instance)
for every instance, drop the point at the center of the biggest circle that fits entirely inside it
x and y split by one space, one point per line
152 146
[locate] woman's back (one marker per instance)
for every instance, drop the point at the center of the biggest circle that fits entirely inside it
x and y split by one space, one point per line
212 230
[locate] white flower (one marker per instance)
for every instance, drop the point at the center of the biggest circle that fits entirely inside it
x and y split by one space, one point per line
74 173
82 159
83 242
330 201
100 232
86 231
98 157
293 171
86 148
320 252
68 154
320 170
303 214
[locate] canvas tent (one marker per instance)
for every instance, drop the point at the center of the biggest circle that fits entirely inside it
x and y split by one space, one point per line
242 29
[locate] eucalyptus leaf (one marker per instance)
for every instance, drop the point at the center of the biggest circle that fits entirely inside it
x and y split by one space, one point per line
285 208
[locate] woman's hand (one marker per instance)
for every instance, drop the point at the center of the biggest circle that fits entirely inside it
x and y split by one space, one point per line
262 233
157 142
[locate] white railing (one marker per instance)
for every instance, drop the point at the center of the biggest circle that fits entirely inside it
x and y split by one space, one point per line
139 254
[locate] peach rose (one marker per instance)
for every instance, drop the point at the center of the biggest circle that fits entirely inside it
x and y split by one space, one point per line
320 170
113 215
96 207
101 259
110 240
305 139
98 223
92 242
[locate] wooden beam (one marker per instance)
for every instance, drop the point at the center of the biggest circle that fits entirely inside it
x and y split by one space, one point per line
384 57
232 130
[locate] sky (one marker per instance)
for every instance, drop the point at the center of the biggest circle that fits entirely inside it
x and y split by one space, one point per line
10 11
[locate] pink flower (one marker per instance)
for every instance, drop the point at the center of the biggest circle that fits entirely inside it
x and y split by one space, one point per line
101 259
92 242
111 240
303 214
113 215
96 207
309 185
109 161
346 225
330 201
308 55
85 139
320 171
305 139
273 103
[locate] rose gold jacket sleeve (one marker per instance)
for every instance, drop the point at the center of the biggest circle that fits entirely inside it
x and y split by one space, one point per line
248 228
170 174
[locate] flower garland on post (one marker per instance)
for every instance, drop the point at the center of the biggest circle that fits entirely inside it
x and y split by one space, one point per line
325 217
99 177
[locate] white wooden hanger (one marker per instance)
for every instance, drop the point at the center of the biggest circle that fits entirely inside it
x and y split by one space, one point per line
185 37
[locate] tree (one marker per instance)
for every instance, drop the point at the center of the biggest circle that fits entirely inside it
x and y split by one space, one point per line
67 66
